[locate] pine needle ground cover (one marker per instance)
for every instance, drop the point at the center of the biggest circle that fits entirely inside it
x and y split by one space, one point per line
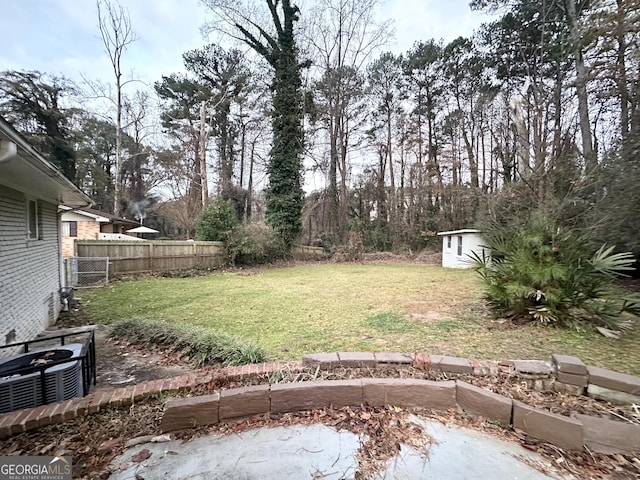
292 311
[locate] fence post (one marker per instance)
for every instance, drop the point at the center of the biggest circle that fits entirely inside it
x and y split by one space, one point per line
151 256
74 274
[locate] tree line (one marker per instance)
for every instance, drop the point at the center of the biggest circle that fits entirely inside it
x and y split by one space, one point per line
540 108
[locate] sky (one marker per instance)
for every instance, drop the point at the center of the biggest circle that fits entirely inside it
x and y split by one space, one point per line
61 37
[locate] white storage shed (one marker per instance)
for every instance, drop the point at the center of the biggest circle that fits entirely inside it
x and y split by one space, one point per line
457 245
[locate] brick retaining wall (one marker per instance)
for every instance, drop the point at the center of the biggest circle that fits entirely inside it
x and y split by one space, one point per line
107 397
561 373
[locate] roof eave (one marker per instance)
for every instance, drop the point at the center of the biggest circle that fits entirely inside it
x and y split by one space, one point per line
458 232
28 168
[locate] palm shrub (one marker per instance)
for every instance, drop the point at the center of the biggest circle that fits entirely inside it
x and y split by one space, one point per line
540 272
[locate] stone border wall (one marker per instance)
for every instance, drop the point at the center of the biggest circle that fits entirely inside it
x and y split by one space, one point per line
563 373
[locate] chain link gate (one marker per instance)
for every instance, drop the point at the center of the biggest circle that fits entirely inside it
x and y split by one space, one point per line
86 272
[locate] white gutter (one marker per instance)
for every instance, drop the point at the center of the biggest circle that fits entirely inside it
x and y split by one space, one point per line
8 150
36 160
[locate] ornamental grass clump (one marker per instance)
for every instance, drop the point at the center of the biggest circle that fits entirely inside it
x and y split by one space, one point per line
202 345
540 272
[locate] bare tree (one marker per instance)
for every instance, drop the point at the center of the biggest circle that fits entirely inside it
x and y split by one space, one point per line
116 33
137 175
342 37
573 20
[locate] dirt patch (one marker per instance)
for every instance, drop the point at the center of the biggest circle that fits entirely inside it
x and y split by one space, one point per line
428 258
429 316
630 283
120 363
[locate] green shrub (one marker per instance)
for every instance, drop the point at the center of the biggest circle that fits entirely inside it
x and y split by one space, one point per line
547 274
202 345
254 243
217 221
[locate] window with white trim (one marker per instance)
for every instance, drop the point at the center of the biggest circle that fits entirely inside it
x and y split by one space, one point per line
70 229
459 245
449 242
33 221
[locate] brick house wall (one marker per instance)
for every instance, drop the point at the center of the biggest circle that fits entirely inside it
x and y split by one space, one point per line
88 229
67 246
29 268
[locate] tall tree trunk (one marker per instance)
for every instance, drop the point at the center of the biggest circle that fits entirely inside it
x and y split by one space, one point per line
381 187
344 198
621 77
419 179
523 145
433 151
473 163
401 210
468 142
116 33
248 208
202 147
333 178
454 169
591 161
392 179
243 140
557 114
483 152
117 192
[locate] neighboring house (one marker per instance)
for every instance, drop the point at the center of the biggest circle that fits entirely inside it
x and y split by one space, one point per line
90 224
30 239
458 245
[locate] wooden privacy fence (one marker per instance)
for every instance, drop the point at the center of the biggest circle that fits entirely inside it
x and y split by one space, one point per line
153 256
305 251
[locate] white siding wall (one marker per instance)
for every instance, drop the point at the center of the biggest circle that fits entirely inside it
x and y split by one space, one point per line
448 251
29 269
470 243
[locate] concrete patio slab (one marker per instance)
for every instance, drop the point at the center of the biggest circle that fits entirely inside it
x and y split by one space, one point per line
459 452
317 451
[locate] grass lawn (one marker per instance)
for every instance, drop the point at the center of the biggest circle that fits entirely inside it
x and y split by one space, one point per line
325 307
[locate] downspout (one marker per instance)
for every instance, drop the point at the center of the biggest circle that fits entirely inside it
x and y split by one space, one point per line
8 150
62 278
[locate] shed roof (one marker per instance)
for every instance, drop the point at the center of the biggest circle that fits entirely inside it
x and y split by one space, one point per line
459 232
